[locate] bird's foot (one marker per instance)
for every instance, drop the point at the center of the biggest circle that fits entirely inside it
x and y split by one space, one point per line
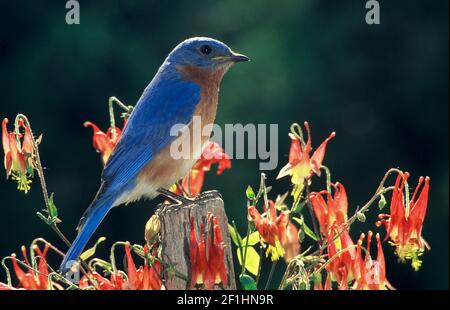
207 196
178 199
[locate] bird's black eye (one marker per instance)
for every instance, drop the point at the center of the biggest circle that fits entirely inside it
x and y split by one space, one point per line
205 49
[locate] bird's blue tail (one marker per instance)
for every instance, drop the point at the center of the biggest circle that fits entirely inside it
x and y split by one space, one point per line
92 219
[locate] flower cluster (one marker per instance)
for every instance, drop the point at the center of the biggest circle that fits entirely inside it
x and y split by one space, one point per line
346 266
280 227
277 231
145 277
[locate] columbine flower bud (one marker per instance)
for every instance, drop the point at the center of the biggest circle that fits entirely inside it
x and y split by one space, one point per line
152 229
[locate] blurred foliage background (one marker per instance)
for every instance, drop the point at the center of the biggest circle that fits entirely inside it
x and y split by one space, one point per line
383 89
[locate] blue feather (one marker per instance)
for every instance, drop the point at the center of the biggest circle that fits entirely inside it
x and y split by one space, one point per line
168 100
91 222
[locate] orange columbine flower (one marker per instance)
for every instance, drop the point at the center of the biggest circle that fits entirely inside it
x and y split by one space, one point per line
102 283
104 143
370 274
341 253
301 165
33 279
18 149
207 270
197 253
142 278
404 224
333 211
216 250
193 182
276 231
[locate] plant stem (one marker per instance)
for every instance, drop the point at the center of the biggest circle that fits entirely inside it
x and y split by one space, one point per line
269 279
380 190
40 171
112 119
313 218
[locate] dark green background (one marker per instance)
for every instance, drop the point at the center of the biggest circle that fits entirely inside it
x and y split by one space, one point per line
383 89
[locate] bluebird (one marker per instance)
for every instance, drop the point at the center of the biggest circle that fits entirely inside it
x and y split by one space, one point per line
141 166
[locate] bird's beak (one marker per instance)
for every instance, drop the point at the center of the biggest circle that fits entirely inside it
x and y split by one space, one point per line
233 57
238 57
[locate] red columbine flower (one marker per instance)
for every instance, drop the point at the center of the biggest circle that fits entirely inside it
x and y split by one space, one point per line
210 269
301 165
341 265
197 252
370 274
102 283
104 143
276 231
142 278
33 279
404 224
18 149
333 211
216 250
212 154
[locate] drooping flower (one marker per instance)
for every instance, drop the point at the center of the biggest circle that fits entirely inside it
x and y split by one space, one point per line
216 250
197 254
33 278
370 274
404 224
18 149
280 235
291 244
104 143
341 253
193 182
143 278
207 267
333 211
101 283
301 165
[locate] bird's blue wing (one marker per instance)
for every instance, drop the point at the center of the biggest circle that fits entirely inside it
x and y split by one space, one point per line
162 105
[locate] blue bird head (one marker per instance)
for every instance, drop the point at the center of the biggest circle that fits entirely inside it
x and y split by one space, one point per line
205 53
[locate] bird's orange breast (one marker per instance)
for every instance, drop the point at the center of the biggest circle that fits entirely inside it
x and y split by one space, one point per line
164 170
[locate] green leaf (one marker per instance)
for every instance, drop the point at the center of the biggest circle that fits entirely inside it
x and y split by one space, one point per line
382 202
247 282
301 235
298 208
53 210
305 228
45 219
90 252
250 193
251 261
234 235
252 239
309 232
